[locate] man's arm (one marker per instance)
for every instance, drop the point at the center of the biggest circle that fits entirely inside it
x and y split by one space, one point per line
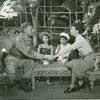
26 50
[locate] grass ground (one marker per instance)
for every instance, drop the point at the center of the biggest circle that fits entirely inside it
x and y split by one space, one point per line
46 92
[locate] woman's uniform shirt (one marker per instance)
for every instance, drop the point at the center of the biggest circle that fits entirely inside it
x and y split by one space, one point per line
82 45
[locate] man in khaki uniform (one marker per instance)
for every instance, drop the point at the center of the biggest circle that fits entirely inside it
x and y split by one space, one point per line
21 55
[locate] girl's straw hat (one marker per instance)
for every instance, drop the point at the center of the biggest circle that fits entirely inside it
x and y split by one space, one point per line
47 34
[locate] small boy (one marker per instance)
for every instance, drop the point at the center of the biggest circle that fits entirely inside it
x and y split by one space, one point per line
64 37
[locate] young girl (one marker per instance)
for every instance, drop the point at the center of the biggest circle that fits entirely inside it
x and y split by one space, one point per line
64 37
45 48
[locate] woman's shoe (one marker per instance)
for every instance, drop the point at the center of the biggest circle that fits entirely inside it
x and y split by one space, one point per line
83 86
69 90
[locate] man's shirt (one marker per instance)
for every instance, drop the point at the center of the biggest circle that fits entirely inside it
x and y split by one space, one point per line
23 45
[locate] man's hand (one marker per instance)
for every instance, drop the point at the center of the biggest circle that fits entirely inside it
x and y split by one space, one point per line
48 57
55 56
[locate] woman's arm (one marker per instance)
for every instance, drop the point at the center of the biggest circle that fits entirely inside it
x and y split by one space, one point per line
64 51
76 45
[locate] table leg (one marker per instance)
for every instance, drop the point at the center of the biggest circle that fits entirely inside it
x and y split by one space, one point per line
5 88
91 86
33 81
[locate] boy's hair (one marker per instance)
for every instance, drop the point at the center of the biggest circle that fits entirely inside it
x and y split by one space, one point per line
78 27
63 37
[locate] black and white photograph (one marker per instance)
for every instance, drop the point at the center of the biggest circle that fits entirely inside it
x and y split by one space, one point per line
49 49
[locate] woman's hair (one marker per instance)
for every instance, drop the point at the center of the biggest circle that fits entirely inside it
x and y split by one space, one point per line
24 25
79 27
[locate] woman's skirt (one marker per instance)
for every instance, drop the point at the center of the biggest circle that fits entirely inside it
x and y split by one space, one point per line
80 66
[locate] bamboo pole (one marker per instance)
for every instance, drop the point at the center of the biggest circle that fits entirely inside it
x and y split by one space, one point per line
34 22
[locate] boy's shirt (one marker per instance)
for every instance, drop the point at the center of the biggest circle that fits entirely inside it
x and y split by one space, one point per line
64 57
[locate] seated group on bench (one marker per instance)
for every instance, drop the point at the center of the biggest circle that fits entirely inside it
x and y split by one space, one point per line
22 55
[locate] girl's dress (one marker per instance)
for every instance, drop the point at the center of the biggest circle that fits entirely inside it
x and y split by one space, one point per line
45 51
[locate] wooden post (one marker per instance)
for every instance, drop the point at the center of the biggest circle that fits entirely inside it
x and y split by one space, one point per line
98 40
34 20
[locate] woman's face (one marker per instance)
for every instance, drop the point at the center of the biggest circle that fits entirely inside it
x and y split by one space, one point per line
73 30
63 40
45 39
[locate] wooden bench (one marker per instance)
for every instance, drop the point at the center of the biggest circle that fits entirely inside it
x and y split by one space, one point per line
49 70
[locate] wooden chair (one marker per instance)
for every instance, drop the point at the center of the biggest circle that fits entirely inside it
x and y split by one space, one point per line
92 76
3 84
7 43
3 80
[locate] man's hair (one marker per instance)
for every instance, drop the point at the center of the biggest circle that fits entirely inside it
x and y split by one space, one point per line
24 25
79 27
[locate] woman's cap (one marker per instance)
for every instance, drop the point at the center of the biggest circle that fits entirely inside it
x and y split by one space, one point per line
65 35
45 34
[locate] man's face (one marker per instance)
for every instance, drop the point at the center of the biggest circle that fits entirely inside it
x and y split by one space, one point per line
29 30
73 30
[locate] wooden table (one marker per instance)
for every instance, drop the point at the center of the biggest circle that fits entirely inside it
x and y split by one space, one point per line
49 70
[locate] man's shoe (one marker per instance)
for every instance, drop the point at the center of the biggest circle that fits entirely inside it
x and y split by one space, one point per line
69 90
25 88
